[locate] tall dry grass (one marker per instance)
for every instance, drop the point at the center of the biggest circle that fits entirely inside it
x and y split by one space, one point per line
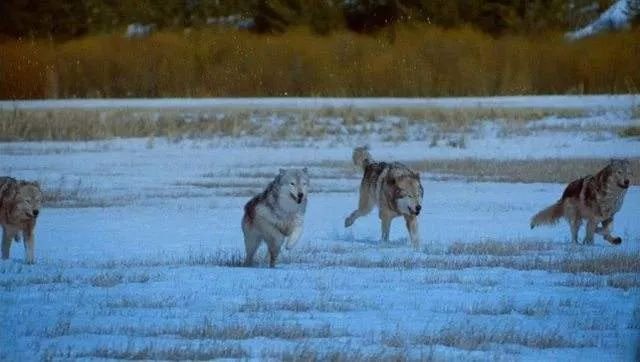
422 61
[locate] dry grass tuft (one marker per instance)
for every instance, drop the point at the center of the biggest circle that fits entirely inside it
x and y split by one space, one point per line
325 305
476 338
632 131
146 303
67 194
554 170
346 353
109 279
527 171
154 352
624 282
14 282
499 248
602 264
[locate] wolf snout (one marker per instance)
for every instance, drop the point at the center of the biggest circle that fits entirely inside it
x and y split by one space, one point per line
35 213
624 184
300 197
418 208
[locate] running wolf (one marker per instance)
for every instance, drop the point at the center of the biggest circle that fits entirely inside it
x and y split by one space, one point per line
20 203
394 187
595 198
276 214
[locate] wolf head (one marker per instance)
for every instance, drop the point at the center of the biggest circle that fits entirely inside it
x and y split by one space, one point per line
27 201
294 184
407 193
620 172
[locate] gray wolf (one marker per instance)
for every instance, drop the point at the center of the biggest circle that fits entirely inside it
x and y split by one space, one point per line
394 188
594 198
20 203
276 215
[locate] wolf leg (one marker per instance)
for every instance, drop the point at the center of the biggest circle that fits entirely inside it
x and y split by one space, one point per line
590 229
365 205
251 244
295 236
274 249
29 245
574 223
412 227
9 233
385 220
7 237
605 231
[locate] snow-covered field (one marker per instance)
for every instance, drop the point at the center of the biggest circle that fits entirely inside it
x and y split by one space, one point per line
138 252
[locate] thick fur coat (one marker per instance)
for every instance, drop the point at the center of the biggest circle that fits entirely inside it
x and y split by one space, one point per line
20 203
394 188
276 215
594 198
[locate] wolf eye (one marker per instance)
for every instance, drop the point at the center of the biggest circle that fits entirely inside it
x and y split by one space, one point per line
293 184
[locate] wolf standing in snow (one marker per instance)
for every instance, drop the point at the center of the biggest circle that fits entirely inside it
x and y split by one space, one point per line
594 198
276 214
20 203
394 187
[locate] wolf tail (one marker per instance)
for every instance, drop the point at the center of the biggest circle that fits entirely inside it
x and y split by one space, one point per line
361 157
549 215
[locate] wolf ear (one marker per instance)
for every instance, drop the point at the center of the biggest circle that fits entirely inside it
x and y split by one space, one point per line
305 170
281 171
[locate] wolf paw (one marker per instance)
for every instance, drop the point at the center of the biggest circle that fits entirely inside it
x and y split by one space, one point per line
348 222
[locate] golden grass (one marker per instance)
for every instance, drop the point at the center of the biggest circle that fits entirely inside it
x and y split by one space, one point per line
79 124
422 61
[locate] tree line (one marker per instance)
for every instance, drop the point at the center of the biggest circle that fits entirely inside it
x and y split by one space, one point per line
74 18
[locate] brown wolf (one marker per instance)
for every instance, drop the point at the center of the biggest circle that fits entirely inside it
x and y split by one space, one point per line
595 199
20 203
394 188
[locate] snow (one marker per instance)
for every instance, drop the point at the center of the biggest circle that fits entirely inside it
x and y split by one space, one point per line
588 102
144 263
617 16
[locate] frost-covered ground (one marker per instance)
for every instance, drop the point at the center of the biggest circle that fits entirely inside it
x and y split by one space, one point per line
138 253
